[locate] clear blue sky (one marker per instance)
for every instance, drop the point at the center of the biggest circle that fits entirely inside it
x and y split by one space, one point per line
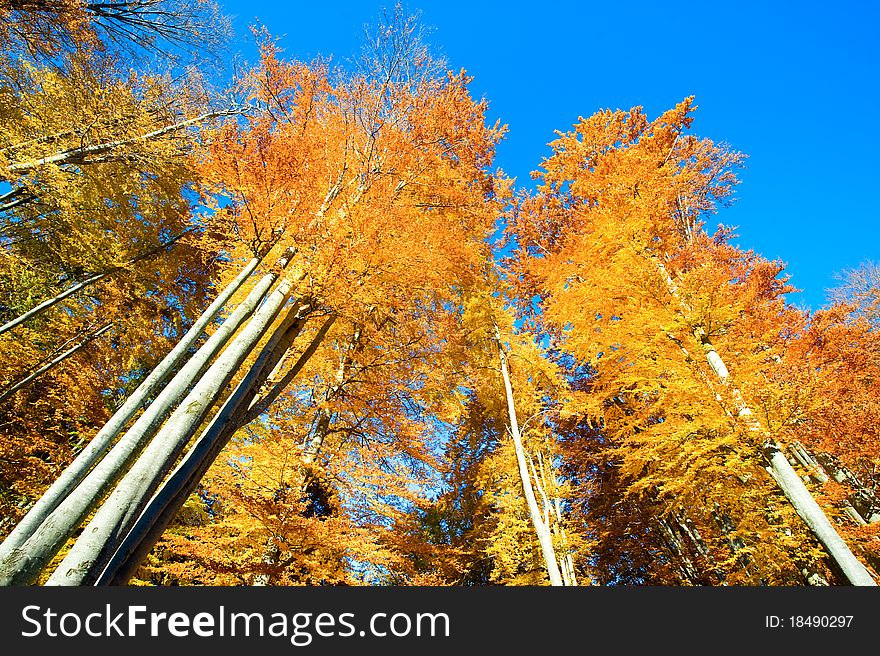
795 85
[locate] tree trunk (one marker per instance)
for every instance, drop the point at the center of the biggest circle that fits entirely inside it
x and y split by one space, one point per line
45 305
79 155
12 199
25 562
53 363
96 448
541 530
736 544
799 496
553 515
685 565
780 469
112 520
567 562
174 492
325 417
817 473
262 402
313 448
862 506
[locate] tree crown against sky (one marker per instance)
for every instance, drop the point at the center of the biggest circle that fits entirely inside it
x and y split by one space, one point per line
396 395
767 80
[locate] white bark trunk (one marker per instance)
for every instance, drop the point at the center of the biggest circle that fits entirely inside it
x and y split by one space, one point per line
53 363
174 492
862 504
324 418
566 563
781 471
543 534
685 565
115 515
313 448
45 305
96 448
814 517
553 516
808 462
261 403
78 155
24 563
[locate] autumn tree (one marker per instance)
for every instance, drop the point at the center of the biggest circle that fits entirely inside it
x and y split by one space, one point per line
272 342
44 29
99 270
391 174
509 475
676 324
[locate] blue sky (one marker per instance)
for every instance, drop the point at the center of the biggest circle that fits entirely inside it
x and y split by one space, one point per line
795 86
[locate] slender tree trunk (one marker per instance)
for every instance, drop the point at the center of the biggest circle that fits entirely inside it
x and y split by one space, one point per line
808 462
325 416
10 195
174 492
781 470
685 565
687 528
553 516
567 562
52 363
270 559
102 535
683 536
24 563
16 203
79 155
96 448
736 544
818 474
45 305
541 530
862 505
814 517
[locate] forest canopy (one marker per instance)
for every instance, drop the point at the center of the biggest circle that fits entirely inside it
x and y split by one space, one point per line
300 328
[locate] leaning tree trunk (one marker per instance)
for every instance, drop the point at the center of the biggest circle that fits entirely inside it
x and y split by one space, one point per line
54 362
687 569
814 517
108 527
265 398
81 154
780 469
541 530
567 561
96 448
70 291
23 564
862 506
323 427
174 492
55 300
790 483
